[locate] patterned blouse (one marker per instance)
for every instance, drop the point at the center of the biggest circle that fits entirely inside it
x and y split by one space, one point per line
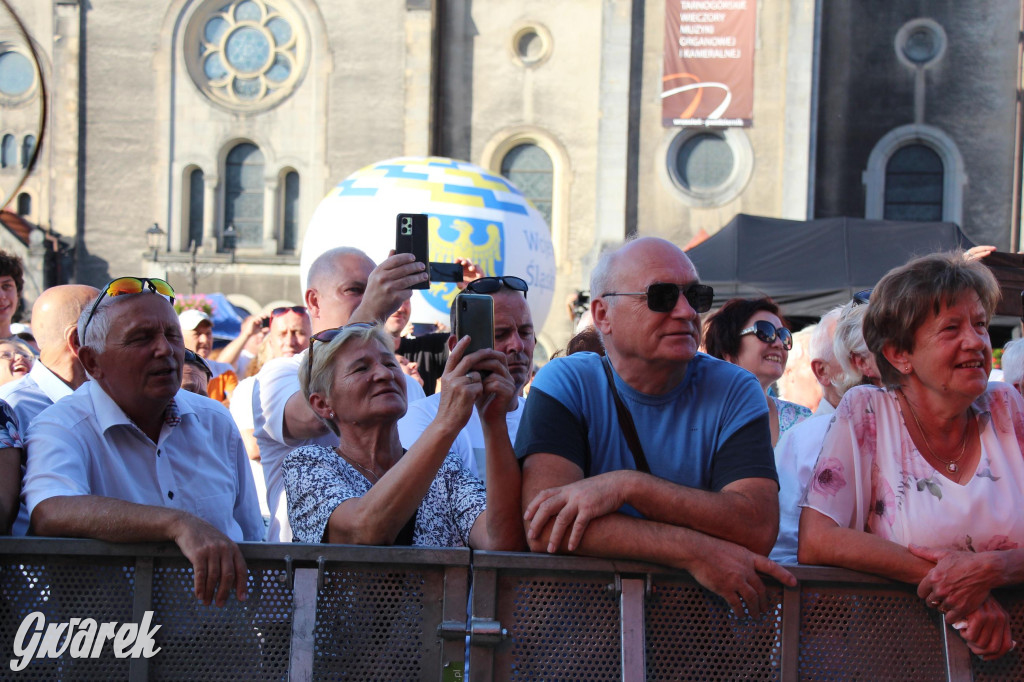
317 480
10 436
870 476
790 414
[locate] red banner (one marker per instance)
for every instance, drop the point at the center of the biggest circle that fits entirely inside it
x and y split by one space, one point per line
709 63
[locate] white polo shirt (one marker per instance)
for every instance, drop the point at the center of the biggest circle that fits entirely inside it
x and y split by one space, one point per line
86 445
276 382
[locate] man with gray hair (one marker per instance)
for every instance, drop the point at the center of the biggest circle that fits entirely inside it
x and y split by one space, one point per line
129 457
343 286
656 452
57 372
1012 364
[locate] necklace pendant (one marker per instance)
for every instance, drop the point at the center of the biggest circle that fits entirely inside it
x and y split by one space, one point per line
952 467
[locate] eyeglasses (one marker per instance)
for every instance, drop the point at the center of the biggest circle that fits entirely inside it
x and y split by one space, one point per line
328 335
862 297
130 285
663 296
298 309
11 354
192 358
488 285
768 332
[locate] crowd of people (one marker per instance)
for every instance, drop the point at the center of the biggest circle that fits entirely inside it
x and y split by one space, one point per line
653 437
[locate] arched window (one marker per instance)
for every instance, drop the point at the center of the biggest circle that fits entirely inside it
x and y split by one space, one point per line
196 186
914 184
8 152
28 148
24 204
243 194
290 230
530 169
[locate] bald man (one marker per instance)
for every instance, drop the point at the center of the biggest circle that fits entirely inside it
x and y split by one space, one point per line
58 372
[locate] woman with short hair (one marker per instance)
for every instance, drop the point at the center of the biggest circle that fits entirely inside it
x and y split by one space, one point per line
367 490
923 480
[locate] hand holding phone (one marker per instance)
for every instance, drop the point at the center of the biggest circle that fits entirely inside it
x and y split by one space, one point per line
411 237
474 317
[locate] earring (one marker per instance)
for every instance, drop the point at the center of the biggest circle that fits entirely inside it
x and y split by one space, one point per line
906 370
331 416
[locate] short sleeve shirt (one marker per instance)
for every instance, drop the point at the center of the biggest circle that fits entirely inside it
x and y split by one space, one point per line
684 432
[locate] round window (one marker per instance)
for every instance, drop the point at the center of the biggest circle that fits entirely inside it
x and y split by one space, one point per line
531 45
247 55
704 163
920 42
17 75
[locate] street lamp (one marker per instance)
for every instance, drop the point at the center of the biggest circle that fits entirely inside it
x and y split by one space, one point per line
155 238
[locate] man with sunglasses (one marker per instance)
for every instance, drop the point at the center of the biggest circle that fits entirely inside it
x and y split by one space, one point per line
343 285
514 337
709 504
130 457
57 372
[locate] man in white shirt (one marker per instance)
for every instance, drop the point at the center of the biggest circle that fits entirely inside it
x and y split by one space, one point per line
343 286
57 372
514 336
129 457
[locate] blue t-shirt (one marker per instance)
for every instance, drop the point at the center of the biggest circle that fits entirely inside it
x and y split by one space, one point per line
707 432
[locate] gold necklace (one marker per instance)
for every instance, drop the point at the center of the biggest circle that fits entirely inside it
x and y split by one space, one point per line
951 466
366 472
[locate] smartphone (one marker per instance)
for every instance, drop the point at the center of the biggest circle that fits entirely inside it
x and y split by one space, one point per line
411 237
445 272
474 317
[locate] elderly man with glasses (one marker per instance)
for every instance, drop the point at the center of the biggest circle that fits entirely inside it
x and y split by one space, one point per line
656 452
515 338
129 457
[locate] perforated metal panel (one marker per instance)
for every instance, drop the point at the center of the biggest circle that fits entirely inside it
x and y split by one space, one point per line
849 633
692 635
241 641
560 628
62 589
1010 666
378 624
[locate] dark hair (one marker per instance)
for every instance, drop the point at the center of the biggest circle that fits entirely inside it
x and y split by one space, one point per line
589 339
907 295
722 329
11 265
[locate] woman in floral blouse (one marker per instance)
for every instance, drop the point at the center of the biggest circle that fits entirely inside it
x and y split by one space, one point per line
750 333
922 481
367 490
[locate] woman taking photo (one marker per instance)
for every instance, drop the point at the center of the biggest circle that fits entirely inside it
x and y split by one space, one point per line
367 490
749 333
923 481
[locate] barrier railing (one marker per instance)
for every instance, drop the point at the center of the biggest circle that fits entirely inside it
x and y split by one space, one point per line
371 613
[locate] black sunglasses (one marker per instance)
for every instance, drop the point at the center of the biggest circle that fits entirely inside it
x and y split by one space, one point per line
192 359
328 335
862 297
488 285
300 309
663 296
768 332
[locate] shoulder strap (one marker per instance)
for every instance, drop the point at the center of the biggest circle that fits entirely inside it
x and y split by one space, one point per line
626 421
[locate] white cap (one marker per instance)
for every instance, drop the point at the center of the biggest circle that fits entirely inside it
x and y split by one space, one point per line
190 319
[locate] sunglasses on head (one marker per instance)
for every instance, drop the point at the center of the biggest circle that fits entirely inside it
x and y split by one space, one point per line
488 285
123 286
768 332
298 309
862 297
191 358
663 296
328 335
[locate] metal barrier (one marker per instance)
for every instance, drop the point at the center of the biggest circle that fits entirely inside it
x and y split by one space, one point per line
370 613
